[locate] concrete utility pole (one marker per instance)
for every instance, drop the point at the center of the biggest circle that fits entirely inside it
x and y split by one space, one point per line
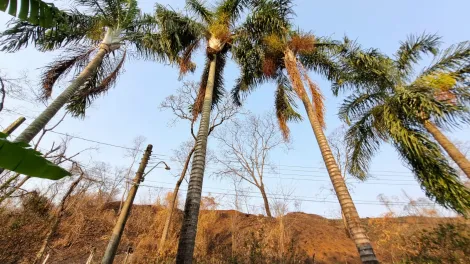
14 125
126 209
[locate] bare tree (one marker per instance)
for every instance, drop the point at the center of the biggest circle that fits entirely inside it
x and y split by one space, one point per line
244 148
180 105
56 154
14 88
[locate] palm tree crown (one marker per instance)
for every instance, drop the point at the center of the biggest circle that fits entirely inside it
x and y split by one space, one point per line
117 25
390 103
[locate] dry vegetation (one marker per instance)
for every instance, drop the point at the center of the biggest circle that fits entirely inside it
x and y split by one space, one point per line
224 236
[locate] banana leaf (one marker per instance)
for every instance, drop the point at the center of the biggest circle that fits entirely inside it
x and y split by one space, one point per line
21 158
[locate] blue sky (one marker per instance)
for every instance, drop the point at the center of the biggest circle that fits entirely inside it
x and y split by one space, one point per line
131 108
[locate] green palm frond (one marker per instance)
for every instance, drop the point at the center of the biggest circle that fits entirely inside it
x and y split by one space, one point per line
411 50
229 11
269 17
364 69
200 10
454 58
355 105
438 179
74 30
364 139
176 32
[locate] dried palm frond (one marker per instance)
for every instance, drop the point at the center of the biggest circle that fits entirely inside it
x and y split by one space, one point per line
284 105
185 63
99 83
269 66
61 67
302 43
294 75
317 98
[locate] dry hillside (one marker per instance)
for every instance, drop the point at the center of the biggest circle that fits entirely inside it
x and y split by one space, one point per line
223 236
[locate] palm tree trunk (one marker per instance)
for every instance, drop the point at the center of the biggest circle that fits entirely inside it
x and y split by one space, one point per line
347 205
449 147
41 121
193 197
265 200
358 233
57 219
173 201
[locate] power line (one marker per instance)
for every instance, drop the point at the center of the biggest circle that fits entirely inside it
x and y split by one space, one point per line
284 198
163 155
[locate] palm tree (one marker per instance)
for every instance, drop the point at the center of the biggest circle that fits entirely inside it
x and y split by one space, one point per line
388 105
446 80
216 28
97 49
279 51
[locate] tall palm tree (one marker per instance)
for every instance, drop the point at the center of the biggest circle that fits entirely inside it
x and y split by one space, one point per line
97 43
215 28
388 105
279 51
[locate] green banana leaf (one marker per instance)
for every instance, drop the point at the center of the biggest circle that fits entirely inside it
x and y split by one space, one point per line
34 11
20 157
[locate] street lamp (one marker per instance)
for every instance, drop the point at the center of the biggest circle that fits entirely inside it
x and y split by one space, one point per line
166 168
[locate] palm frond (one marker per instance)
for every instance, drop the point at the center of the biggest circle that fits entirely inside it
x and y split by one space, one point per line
249 57
176 33
323 60
411 50
229 11
199 9
185 63
284 105
364 139
98 84
367 70
74 30
59 68
356 105
317 98
438 179
454 58
269 17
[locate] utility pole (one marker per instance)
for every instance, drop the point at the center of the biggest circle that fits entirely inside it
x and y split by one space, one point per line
14 125
126 209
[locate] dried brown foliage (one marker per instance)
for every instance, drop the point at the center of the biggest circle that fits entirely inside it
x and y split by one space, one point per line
59 68
317 98
302 43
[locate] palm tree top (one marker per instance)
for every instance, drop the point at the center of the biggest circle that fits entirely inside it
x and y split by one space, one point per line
89 22
390 103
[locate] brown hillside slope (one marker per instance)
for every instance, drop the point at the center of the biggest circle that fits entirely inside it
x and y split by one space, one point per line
223 236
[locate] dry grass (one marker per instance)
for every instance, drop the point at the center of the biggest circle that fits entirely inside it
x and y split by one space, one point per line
299 239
